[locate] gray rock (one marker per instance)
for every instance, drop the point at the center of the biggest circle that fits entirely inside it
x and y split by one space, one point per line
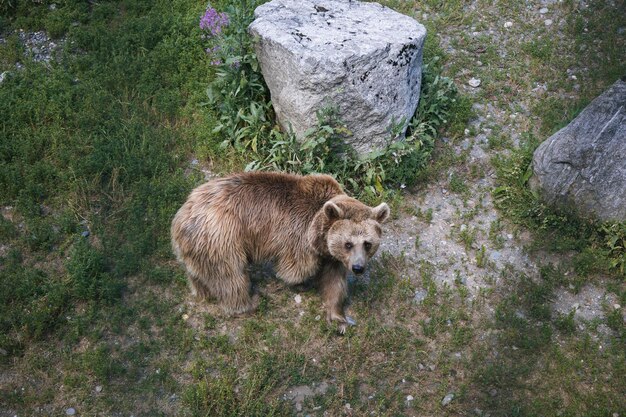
362 57
583 165
447 399
420 296
474 82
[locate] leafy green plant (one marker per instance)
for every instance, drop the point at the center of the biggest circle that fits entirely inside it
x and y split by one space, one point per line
237 92
614 236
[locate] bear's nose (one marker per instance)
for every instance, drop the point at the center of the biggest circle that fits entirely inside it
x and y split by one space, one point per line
358 269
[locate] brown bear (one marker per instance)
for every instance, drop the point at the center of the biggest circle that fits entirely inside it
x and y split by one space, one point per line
306 225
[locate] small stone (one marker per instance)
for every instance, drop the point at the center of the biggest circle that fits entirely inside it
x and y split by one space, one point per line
409 398
463 227
298 299
85 233
617 306
466 132
575 306
543 10
548 22
350 321
98 388
3 76
52 6
508 24
447 399
474 82
432 367
3 352
185 317
318 317
493 392
495 255
420 296
348 406
70 411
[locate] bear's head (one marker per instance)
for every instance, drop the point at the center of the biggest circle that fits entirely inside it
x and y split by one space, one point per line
353 231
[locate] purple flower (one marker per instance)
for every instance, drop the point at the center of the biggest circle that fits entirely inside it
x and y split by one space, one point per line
213 21
212 50
216 62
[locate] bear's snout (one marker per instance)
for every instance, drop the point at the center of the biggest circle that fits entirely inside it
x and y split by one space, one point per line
358 269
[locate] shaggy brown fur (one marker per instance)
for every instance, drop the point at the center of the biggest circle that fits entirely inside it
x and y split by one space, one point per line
306 225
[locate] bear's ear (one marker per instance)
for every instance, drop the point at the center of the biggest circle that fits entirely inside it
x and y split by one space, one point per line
332 211
381 212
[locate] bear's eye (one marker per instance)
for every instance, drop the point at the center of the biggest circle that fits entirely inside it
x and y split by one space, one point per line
367 245
349 245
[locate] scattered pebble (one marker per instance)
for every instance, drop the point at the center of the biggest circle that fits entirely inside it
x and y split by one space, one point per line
548 22
617 306
447 399
466 132
474 82
70 411
508 24
493 392
543 10
3 76
185 317
420 296
409 398
85 233
350 321
98 388
298 299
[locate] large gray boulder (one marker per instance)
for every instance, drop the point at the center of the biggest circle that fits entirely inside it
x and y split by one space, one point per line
362 57
583 166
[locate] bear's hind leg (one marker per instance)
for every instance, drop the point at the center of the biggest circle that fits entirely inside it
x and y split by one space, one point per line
232 290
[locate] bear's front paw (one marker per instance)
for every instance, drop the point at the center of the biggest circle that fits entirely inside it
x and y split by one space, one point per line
343 321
